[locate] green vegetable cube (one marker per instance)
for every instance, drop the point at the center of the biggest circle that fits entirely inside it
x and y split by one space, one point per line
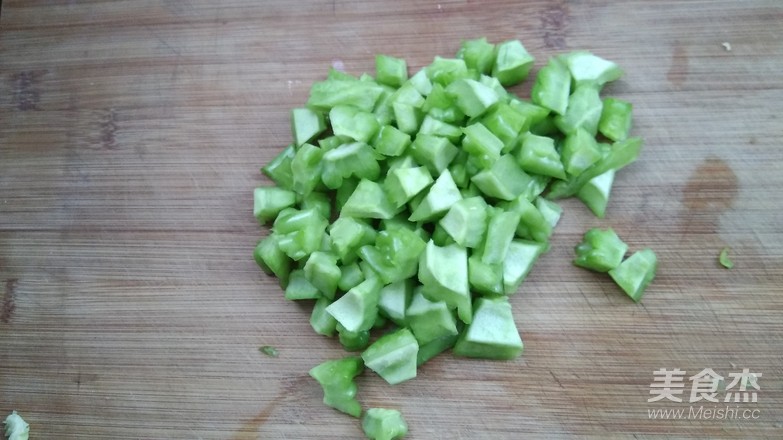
306 124
485 278
580 152
336 379
466 221
552 86
478 54
588 69
500 232
357 309
300 288
492 334
532 223
390 70
271 259
350 276
484 146
429 320
355 159
538 155
384 424
504 180
521 256
407 94
635 273
435 152
348 234
333 92
506 123
353 123
394 300
434 348
368 200
616 119
532 112
402 184
472 97
550 210
393 356
512 63
442 194
300 232
421 82
322 271
443 271
353 341
279 168
600 250
584 111
306 169
595 193
268 201
322 322
390 141
444 71
436 127
408 117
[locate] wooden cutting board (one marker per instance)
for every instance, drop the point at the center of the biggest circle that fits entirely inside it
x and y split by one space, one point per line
131 133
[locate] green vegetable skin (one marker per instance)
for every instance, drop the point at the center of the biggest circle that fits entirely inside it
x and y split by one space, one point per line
269 351
416 203
724 259
16 428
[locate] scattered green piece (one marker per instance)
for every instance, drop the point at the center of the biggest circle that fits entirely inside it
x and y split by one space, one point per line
384 424
16 428
724 259
269 351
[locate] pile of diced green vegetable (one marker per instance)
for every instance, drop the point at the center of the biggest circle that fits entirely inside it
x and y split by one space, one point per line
416 205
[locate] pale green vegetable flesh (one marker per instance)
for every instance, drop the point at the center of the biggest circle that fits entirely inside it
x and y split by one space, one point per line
16 428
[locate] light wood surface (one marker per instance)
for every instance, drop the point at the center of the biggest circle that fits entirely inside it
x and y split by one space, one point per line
131 133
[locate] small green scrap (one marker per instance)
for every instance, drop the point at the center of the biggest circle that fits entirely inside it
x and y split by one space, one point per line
724 259
269 351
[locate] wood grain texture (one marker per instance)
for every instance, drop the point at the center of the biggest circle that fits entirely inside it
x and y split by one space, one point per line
131 133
